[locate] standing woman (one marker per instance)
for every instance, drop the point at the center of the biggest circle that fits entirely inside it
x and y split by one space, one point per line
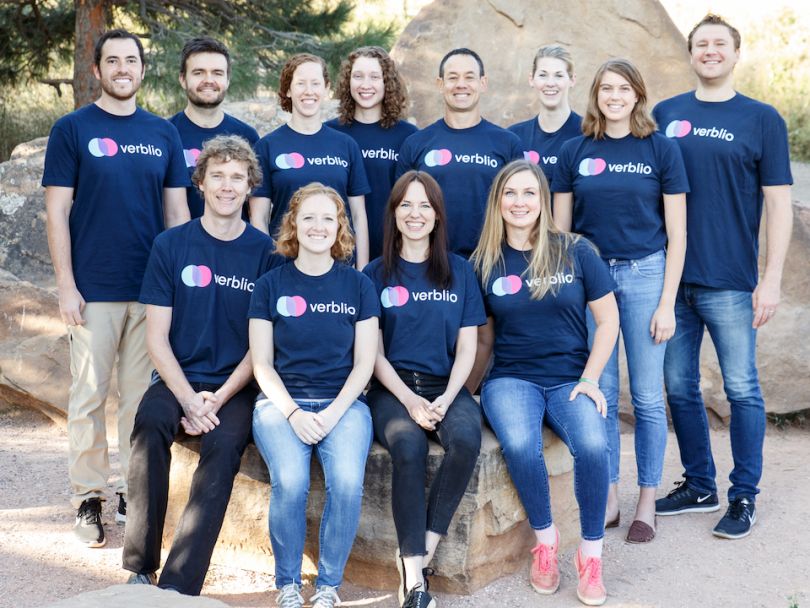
373 100
428 335
537 284
608 186
304 151
542 137
313 337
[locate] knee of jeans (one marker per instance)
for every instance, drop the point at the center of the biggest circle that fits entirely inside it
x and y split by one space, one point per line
290 482
592 450
519 447
346 483
464 446
152 424
744 391
406 454
649 404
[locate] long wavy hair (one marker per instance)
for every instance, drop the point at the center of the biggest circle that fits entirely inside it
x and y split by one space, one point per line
549 254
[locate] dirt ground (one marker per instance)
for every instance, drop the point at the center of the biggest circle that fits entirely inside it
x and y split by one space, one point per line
685 566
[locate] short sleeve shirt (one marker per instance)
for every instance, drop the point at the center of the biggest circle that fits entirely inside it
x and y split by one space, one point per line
542 148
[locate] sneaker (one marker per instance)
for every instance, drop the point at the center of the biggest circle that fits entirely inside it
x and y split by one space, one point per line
325 597
121 513
545 571
590 590
417 598
740 516
684 499
150 578
290 596
88 528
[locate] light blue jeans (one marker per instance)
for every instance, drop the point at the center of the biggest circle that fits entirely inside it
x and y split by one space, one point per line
342 454
639 284
516 410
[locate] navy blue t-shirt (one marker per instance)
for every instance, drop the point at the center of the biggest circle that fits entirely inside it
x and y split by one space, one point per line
544 341
194 136
542 148
118 167
290 160
313 325
380 150
464 162
207 283
617 186
731 149
419 322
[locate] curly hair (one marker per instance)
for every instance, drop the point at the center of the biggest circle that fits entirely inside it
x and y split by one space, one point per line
395 98
287 235
287 72
224 148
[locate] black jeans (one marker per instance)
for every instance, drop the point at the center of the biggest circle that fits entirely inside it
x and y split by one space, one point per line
460 436
156 424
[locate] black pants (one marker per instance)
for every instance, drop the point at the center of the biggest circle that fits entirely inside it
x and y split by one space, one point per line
156 424
460 436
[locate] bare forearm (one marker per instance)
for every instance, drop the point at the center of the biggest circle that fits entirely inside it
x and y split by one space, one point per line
273 387
238 380
778 231
260 213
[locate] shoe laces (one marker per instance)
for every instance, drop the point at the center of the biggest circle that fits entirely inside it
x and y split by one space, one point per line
738 508
543 556
593 569
290 597
90 511
680 486
325 597
414 597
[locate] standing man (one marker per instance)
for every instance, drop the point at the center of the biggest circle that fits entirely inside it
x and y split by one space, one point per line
462 151
205 74
736 155
197 291
114 179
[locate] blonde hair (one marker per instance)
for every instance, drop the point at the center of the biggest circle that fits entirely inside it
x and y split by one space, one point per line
287 235
554 51
550 246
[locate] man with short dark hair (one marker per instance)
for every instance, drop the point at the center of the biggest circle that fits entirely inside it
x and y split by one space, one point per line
462 151
205 75
736 154
114 179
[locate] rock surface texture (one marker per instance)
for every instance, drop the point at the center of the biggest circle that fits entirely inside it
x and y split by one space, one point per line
137 596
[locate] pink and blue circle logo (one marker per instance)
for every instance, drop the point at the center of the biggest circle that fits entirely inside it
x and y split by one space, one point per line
438 158
592 166
102 146
506 286
191 157
196 276
394 296
293 160
532 156
678 128
291 306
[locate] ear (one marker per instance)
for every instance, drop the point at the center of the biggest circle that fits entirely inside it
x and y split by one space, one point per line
96 72
484 84
182 80
439 82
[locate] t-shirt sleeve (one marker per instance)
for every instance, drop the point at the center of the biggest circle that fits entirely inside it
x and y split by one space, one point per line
563 171
358 182
515 147
260 300
263 189
405 161
369 303
595 275
269 259
473 313
774 166
158 283
251 134
61 158
673 171
176 172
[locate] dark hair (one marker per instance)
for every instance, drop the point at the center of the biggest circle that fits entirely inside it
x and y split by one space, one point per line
461 51
712 19
438 270
203 44
224 148
288 71
115 35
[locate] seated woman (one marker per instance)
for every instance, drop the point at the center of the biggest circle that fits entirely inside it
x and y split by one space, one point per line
431 307
537 283
313 336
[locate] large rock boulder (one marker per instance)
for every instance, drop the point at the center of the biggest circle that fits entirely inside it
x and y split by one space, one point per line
506 33
488 537
136 596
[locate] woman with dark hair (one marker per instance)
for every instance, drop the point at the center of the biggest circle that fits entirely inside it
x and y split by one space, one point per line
609 186
373 100
428 333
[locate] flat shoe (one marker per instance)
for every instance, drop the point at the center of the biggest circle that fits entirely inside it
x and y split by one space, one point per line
614 523
640 532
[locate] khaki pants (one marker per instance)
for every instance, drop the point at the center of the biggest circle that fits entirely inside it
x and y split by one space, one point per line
111 329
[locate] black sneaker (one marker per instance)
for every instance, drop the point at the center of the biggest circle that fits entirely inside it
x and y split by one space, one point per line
121 513
740 516
88 528
417 598
150 578
684 499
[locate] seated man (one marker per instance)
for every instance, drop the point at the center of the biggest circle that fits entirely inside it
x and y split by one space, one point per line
197 290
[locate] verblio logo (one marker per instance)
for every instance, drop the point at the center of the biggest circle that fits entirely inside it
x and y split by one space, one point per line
291 306
102 146
438 157
592 166
191 157
394 296
196 276
506 286
678 128
532 157
293 160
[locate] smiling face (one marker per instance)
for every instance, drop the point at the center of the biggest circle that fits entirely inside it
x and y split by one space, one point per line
307 89
225 187
713 55
120 70
552 82
415 216
205 80
317 224
366 84
462 83
520 200
616 98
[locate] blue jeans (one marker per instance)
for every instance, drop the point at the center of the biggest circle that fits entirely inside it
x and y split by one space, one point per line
342 454
728 316
638 290
516 410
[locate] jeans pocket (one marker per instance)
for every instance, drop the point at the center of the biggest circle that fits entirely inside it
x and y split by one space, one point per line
652 266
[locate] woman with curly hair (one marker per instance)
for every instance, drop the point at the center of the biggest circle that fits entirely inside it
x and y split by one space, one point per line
313 338
373 100
304 151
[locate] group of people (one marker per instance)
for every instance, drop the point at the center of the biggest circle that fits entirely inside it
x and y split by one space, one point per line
503 263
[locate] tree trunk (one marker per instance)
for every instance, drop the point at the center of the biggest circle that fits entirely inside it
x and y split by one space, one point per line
92 17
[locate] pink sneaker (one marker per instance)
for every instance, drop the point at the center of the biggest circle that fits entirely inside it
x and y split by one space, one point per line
545 572
590 590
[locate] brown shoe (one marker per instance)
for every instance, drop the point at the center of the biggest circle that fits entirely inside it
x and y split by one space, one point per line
640 532
614 523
